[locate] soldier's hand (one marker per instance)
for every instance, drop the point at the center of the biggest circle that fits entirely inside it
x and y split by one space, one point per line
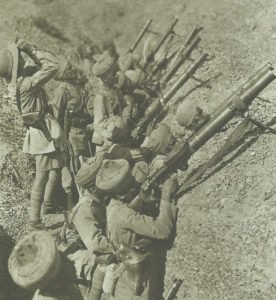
169 189
24 46
90 127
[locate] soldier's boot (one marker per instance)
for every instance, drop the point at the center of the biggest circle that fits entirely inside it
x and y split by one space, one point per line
67 184
49 205
35 208
69 201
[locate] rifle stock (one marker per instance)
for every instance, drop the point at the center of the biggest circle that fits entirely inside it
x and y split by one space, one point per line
237 103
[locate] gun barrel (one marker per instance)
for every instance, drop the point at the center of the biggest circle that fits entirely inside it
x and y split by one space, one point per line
173 69
238 102
140 36
165 36
189 39
172 91
185 76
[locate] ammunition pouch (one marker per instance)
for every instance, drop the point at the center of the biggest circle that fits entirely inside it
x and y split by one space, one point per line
36 120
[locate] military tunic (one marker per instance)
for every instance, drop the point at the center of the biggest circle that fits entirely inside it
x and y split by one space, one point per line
33 98
89 218
73 99
106 103
127 229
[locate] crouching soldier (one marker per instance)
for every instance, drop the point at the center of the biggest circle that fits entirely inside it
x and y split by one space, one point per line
44 138
89 222
135 277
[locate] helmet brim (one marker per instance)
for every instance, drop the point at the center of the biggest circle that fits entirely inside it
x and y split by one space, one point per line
11 46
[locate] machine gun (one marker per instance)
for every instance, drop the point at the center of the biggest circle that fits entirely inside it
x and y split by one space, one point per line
158 105
237 103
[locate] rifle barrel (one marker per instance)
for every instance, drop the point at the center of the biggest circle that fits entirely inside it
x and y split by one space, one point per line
173 69
185 76
140 36
189 39
165 36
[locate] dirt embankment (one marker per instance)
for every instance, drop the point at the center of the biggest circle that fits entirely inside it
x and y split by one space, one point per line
225 247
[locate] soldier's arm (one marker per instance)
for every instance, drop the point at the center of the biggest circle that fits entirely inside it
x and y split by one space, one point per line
90 231
46 61
159 228
59 103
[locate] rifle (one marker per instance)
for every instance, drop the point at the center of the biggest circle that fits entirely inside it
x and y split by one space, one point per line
174 289
189 39
159 104
139 37
178 53
162 41
237 103
179 62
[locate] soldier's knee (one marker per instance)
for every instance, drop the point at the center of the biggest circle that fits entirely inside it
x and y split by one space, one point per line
66 180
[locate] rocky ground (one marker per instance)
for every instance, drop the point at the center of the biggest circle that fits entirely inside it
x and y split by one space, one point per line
225 246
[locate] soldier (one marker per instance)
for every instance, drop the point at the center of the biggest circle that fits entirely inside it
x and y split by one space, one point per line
117 177
107 102
44 138
89 220
70 106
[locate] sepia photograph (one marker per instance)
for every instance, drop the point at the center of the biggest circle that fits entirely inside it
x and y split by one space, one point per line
137 150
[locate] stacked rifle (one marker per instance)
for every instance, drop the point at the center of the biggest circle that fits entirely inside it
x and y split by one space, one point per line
160 72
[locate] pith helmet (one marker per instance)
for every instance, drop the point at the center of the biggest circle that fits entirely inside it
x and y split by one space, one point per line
9 56
34 261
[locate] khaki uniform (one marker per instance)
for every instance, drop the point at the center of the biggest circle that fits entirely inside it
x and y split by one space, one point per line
74 99
108 102
129 228
33 98
33 101
89 219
